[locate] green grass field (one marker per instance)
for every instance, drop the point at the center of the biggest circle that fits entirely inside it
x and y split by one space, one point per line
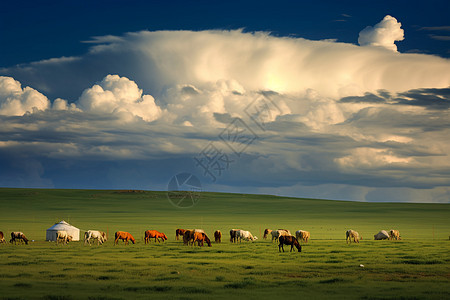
417 267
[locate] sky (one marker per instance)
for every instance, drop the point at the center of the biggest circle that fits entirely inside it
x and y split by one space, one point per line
344 100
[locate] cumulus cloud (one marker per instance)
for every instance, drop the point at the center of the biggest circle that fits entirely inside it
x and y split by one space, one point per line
345 122
15 101
61 104
383 34
160 60
119 95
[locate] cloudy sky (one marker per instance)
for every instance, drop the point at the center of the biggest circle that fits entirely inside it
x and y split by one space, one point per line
336 100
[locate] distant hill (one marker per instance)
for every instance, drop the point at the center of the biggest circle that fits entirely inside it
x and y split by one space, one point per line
34 210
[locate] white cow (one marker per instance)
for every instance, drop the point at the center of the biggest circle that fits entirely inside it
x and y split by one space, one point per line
63 236
246 235
100 236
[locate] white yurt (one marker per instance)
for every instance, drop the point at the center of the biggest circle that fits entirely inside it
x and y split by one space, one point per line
63 225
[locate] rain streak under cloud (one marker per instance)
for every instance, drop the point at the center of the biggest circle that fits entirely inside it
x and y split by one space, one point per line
355 122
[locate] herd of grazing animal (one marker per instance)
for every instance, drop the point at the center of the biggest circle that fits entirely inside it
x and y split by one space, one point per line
199 237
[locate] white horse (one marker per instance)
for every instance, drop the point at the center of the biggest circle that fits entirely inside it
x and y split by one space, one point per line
63 237
100 236
302 235
245 235
279 232
351 234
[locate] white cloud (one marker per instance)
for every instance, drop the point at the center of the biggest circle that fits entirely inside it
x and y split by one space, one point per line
370 157
175 92
119 95
383 34
15 101
160 60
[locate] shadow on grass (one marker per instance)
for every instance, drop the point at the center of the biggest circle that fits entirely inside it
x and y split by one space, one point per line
422 262
57 297
194 290
147 288
332 280
247 282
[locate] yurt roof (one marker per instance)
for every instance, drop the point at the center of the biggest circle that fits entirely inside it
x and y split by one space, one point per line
61 225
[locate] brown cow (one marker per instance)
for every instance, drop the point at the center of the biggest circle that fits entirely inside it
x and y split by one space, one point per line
2 237
289 240
218 236
124 236
18 236
394 234
150 234
179 232
201 237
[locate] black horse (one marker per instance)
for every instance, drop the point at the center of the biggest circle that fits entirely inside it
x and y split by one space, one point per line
289 240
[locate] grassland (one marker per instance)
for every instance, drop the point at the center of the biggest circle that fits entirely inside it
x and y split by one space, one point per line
417 267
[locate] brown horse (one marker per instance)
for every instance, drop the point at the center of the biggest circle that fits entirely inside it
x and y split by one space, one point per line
2 237
179 232
18 236
289 240
201 237
150 234
124 236
218 236
188 236
267 231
